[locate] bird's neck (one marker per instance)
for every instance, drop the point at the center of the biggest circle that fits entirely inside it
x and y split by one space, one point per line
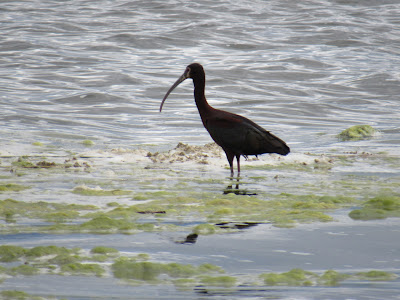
200 98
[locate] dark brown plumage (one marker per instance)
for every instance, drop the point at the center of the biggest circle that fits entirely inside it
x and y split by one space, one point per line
236 135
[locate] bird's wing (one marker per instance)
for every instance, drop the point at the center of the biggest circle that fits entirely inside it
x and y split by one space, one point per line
242 136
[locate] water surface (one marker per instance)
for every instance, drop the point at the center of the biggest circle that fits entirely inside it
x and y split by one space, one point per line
83 70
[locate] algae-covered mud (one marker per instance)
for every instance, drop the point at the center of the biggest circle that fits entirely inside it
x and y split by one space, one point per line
143 218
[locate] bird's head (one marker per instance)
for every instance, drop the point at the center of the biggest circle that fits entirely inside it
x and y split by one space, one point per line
191 71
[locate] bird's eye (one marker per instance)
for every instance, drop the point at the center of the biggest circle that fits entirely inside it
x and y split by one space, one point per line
187 72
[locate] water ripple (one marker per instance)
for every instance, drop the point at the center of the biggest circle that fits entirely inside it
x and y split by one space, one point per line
102 68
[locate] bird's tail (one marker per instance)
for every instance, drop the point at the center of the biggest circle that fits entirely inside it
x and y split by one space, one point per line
276 145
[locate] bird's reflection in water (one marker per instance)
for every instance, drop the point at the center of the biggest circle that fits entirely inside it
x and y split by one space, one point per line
191 238
230 189
236 225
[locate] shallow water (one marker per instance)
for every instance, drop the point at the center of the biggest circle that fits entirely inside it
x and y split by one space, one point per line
84 70
99 70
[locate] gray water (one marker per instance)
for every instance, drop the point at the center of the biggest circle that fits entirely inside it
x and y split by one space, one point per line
97 70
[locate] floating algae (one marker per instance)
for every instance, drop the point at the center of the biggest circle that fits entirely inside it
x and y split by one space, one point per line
331 278
295 277
48 250
87 191
87 143
222 281
20 295
62 216
198 206
10 253
56 212
299 277
11 187
149 271
205 229
357 132
375 275
103 222
126 268
24 163
82 269
17 295
44 259
117 220
138 269
104 250
380 207
283 210
38 144
24 269
279 209
122 212
64 259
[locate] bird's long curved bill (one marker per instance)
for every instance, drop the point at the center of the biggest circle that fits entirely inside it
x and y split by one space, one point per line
180 79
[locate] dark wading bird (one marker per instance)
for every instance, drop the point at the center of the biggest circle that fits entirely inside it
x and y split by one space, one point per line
236 135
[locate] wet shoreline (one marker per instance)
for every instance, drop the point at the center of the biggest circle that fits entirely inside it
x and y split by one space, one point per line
179 206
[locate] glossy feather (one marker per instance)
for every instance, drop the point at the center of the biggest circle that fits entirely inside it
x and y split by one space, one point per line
236 135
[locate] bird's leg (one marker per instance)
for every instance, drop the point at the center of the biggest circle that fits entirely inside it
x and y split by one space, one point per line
230 156
231 165
238 164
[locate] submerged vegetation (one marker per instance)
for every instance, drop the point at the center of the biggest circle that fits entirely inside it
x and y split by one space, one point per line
282 210
11 209
380 207
11 187
87 191
140 269
128 197
124 268
299 277
165 194
19 295
151 208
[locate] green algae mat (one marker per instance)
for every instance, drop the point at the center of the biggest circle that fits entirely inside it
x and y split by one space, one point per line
173 220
